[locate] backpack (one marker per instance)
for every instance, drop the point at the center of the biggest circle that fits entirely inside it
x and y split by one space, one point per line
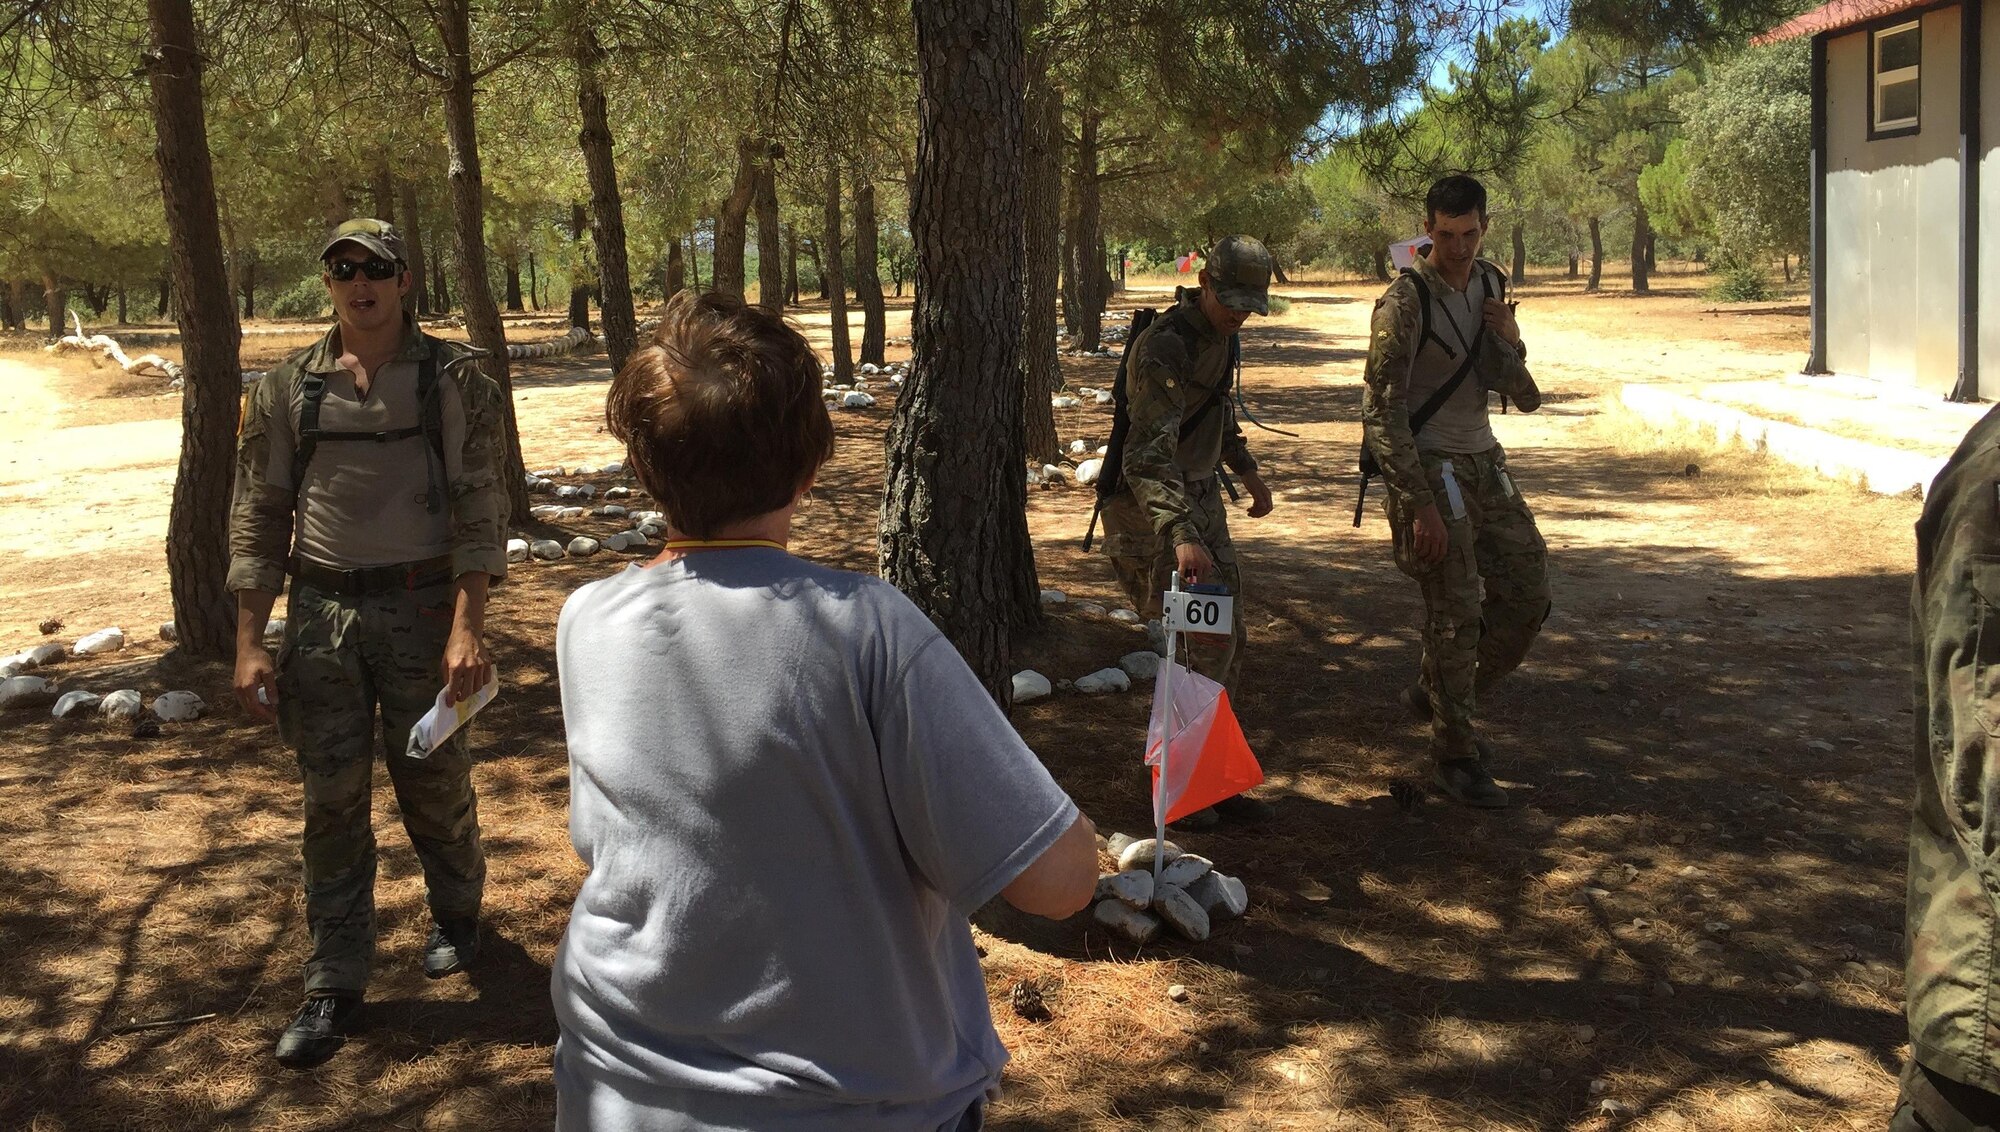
430 407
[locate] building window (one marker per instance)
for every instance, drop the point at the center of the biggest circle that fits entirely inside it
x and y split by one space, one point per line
1895 53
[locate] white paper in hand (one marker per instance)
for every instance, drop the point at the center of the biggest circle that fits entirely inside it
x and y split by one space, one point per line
438 723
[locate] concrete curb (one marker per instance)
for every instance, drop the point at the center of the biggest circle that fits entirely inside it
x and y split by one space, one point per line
1882 470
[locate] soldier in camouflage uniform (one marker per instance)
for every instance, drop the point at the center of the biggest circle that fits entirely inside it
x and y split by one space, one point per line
386 507
1459 524
1170 514
1952 934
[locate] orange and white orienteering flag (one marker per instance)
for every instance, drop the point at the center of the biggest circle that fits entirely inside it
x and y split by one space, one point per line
1185 264
1207 757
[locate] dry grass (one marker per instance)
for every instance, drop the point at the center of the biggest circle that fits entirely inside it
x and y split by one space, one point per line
1717 469
1434 970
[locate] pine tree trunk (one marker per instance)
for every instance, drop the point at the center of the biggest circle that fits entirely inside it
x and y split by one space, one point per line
249 286
791 265
770 241
384 187
534 284
1277 269
819 266
166 300
468 208
1041 192
418 301
843 357
1596 256
55 300
10 318
1653 249
123 322
1382 264
953 525
607 209
732 224
694 263
441 285
1572 265
1787 264
1520 256
513 269
676 280
868 273
1072 306
1088 255
579 287
1641 234
198 519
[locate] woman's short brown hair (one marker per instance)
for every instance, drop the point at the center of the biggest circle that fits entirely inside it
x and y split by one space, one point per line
720 413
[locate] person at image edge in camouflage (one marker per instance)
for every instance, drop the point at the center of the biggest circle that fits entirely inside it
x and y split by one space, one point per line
1170 513
389 516
1459 524
1952 934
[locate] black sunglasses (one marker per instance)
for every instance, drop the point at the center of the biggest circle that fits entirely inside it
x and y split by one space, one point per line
374 267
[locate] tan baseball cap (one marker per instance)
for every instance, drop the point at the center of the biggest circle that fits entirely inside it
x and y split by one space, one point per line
378 236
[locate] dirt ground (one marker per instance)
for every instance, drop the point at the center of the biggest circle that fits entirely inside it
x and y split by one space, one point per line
1691 916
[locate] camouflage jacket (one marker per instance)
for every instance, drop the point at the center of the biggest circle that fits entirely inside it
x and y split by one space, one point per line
1392 347
1176 366
1952 975
262 512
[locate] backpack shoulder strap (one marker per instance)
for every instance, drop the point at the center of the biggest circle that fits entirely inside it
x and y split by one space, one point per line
430 409
1424 332
312 392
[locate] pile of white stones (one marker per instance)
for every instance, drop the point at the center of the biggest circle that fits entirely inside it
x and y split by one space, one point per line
1188 897
857 394
1085 472
569 343
1133 667
124 705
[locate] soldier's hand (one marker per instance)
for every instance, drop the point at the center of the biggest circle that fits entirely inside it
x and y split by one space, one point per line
1194 562
1499 318
256 671
467 665
1429 538
1260 495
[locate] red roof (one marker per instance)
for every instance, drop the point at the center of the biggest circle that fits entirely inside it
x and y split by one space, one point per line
1837 16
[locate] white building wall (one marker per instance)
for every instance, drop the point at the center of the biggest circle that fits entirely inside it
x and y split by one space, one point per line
1892 220
1989 203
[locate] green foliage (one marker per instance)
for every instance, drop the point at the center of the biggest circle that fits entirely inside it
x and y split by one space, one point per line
306 298
1667 189
1278 304
1748 149
1355 223
1740 283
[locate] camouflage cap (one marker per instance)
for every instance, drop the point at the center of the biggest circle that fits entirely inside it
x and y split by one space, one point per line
378 236
1239 269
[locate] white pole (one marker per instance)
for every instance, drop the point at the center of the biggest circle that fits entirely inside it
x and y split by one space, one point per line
1163 687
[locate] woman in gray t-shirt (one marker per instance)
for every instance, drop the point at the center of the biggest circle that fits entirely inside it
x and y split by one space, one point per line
789 789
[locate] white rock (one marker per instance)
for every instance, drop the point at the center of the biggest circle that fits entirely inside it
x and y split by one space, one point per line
651 528
1105 680
1127 617
1076 447
102 641
1034 477
1617 1109
569 514
1223 898
857 400
169 631
1051 472
583 470
75 703
569 491
1065 403
1091 608
1088 471
1054 597
517 550
1185 869
1139 927
178 707
608 511
546 549
587 490
274 629
1181 912
25 691
1135 888
619 492
1139 854
1104 450
47 652
121 704
1030 686
649 516
583 546
1178 993
639 538
13 666
1141 665
1104 397
1117 843
870 368
545 511
547 472
614 468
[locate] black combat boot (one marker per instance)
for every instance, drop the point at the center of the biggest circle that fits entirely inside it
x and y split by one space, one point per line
453 945
1416 701
318 1029
1465 781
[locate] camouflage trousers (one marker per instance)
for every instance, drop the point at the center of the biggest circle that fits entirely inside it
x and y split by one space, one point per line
1933 1102
343 659
1486 601
1143 561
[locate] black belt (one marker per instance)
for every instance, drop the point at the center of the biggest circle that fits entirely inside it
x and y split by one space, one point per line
373 579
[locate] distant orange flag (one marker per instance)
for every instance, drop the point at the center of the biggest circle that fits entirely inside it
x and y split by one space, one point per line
1185 264
1207 757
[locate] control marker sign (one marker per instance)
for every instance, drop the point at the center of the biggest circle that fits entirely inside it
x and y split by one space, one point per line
1186 612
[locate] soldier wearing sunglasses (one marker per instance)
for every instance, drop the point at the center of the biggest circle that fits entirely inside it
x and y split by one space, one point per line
368 470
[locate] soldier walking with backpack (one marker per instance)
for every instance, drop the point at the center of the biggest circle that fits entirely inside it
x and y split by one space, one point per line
1443 337
368 469
1164 510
